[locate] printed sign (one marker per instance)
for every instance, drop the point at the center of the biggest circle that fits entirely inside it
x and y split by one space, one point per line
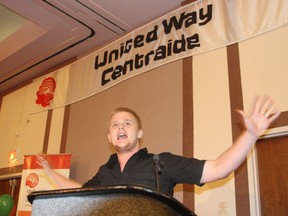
34 178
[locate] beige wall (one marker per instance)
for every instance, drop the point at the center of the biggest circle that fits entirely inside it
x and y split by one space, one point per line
157 96
212 126
19 129
264 68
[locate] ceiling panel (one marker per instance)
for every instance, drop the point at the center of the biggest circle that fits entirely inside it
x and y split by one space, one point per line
54 31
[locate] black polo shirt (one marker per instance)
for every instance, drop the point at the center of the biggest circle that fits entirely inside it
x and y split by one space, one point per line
140 170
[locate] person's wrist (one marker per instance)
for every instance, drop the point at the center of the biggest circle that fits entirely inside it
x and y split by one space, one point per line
253 135
48 170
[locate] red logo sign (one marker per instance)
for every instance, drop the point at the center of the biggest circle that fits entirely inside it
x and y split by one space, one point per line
32 180
45 94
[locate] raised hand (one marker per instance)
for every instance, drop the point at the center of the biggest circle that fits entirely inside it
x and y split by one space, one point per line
263 114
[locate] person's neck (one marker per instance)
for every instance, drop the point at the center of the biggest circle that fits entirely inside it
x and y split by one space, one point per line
124 156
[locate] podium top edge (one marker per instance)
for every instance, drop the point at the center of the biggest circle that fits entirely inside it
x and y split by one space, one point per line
118 189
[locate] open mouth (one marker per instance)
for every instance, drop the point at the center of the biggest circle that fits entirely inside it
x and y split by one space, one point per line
121 136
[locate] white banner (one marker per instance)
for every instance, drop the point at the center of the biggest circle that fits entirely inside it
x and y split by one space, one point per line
34 179
193 29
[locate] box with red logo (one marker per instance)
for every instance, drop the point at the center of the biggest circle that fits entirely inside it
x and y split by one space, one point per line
35 179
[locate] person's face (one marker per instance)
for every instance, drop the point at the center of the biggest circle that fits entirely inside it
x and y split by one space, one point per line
123 132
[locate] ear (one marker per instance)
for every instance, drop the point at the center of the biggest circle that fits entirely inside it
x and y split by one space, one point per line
109 138
140 134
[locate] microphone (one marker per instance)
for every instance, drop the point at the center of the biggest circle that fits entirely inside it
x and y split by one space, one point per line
157 169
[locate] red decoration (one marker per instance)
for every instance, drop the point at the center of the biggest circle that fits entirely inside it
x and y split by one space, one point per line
32 180
45 94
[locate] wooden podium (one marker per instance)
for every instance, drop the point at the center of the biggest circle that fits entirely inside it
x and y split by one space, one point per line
124 200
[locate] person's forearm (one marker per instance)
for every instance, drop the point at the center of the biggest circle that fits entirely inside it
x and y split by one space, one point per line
229 160
234 156
61 181
255 124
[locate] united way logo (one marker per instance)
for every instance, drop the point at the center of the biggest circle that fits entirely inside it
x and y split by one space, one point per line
32 180
45 94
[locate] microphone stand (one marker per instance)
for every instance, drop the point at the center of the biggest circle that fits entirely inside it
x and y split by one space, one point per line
157 170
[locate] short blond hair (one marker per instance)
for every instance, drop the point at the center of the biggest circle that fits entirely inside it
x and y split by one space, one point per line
125 109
